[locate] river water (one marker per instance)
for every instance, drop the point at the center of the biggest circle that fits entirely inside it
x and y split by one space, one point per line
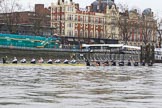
41 86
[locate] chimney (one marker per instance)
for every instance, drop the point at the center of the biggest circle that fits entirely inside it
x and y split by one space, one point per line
39 8
77 6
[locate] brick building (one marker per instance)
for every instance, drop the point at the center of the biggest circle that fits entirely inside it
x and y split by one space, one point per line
35 22
86 25
102 21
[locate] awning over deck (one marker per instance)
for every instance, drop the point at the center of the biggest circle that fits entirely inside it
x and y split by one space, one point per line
112 46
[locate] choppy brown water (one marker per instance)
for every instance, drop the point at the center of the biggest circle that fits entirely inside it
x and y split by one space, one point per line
80 87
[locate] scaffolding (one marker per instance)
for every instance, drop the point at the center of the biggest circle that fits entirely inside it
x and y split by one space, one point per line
29 41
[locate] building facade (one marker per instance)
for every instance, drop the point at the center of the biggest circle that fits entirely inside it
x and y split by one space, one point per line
159 34
138 29
35 22
102 20
96 21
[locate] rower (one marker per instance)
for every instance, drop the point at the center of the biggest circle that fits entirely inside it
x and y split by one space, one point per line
58 61
106 63
121 63
49 61
129 63
150 63
113 63
23 60
87 62
143 63
41 60
66 61
14 60
33 61
73 61
136 63
98 63
3 60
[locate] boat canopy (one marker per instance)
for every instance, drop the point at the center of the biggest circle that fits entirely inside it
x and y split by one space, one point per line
112 46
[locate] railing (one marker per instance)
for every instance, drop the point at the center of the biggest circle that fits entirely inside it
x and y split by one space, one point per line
71 50
44 49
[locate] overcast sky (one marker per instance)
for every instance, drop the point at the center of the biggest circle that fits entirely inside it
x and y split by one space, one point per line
142 4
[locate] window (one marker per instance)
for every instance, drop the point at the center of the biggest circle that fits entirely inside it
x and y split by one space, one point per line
81 33
63 9
58 17
101 34
113 28
86 33
63 17
70 33
113 13
76 18
86 19
68 8
68 17
91 33
70 25
101 20
81 18
72 9
96 20
58 31
71 17
58 9
92 20
76 33
55 9
113 21
63 32
96 34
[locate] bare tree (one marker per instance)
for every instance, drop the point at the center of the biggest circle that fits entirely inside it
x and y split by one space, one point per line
122 7
10 16
146 32
124 27
40 20
124 24
149 27
159 30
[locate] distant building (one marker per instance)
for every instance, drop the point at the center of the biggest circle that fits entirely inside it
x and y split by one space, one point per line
137 29
100 22
101 5
159 35
84 24
35 22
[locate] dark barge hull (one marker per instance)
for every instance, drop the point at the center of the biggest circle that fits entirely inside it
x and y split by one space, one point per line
158 61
